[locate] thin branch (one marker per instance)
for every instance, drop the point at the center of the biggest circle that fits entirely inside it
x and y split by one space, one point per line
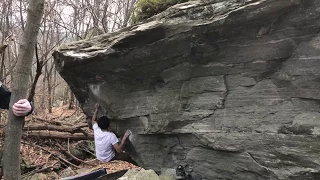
72 156
48 168
53 154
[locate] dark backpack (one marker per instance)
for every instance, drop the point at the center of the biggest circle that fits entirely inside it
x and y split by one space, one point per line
5 95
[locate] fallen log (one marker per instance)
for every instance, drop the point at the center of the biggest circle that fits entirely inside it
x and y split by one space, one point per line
71 129
53 121
47 121
58 135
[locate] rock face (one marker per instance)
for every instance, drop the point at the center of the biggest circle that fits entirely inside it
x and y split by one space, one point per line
140 175
229 87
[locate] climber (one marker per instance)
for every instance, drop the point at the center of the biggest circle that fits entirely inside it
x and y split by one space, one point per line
21 108
107 144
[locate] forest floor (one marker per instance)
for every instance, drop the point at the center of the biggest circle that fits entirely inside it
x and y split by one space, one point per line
59 144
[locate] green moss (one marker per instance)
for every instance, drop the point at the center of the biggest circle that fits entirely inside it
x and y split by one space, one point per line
148 8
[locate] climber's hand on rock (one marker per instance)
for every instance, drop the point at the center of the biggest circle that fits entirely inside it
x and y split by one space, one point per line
97 106
126 135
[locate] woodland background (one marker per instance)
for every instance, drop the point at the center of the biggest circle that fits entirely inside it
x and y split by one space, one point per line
63 21
49 138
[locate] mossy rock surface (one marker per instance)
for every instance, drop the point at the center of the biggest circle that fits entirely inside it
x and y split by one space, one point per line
147 8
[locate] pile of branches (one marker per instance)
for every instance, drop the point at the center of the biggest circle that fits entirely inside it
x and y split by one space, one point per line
54 129
48 143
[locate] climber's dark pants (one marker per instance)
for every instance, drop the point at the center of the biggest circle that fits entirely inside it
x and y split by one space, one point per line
124 157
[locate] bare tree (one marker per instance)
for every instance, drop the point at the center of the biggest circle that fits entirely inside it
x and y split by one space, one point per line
38 74
11 158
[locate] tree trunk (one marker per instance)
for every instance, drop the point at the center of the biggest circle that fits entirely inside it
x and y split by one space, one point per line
66 95
48 77
6 28
43 95
36 78
49 94
96 18
2 69
54 86
71 102
21 16
11 157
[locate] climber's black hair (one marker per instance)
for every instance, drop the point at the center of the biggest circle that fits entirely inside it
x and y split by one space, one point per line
104 122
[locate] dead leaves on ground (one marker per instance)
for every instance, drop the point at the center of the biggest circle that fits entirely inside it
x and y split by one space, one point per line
37 157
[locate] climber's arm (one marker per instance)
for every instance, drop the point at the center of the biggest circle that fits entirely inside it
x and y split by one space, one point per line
118 147
94 117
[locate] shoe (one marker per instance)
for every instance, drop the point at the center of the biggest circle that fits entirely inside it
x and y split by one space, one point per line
188 177
197 177
180 173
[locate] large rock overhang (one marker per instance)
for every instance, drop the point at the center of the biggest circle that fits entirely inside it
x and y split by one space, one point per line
141 52
229 87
